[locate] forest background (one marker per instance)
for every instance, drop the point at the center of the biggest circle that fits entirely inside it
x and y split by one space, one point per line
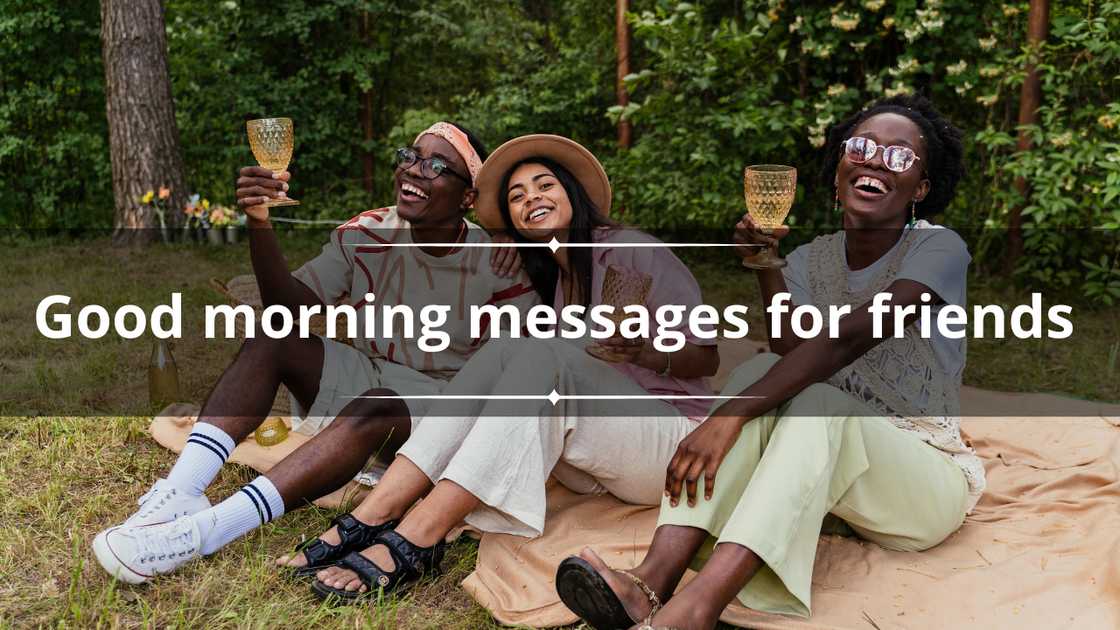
713 86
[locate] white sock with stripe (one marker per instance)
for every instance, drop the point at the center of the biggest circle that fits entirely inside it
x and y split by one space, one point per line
206 450
248 508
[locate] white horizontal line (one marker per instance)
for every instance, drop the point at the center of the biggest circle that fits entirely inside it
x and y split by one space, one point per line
550 245
547 397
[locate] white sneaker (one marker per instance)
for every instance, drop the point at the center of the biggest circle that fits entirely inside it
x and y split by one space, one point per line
164 502
137 553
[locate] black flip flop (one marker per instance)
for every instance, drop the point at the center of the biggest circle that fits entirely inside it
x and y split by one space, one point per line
587 594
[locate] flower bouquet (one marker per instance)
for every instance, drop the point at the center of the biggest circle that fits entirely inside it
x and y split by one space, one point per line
197 223
220 219
159 203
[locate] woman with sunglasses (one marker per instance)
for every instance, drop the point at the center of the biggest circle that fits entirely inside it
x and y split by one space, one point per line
857 427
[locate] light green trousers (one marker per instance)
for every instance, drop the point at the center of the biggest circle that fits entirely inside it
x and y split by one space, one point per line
822 452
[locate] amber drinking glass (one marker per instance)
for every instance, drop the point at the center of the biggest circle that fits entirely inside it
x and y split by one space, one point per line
271 142
769 190
622 287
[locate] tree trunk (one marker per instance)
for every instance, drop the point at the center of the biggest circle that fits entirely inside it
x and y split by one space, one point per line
367 116
143 137
622 39
1030 99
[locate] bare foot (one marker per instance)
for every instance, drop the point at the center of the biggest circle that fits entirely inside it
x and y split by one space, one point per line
635 602
345 579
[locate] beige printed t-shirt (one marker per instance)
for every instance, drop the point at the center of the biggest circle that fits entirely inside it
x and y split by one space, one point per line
357 261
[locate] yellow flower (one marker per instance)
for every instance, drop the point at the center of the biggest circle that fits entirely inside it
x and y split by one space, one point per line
1106 121
147 198
205 204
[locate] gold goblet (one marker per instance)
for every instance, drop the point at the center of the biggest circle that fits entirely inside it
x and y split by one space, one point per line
622 287
271 142
769 190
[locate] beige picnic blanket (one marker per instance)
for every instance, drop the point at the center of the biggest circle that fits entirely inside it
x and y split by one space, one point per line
1042 548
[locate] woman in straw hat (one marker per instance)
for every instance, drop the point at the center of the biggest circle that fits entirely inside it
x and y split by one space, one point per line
486 460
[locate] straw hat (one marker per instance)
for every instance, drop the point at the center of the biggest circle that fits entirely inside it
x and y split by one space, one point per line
568 153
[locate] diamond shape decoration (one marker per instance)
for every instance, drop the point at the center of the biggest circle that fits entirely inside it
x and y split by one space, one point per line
553 397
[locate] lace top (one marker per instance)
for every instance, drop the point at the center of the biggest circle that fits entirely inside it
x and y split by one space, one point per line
900 378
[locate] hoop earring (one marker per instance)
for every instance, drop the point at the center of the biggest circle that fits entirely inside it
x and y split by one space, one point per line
913 213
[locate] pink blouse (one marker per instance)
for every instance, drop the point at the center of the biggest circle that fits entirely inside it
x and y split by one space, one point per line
673 283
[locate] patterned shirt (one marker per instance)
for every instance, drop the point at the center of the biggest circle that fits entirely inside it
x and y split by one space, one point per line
357 260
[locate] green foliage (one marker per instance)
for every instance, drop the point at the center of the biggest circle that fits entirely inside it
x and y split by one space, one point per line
54 155
715 85
1073 174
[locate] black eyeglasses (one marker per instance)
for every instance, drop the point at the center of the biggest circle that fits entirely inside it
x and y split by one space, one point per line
430 168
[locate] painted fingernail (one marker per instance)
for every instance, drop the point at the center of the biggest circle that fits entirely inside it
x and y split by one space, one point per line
285 185
282 194
276 174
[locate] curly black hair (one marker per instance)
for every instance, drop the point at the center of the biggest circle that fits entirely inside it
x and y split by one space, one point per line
944 152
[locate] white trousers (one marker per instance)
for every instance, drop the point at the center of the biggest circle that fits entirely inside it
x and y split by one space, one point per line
503 451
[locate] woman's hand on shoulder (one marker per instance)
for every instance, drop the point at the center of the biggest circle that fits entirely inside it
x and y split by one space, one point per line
701 453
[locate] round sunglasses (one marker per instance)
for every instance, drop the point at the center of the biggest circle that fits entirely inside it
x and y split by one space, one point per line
896 158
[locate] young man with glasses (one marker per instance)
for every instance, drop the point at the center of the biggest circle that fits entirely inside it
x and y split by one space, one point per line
413 254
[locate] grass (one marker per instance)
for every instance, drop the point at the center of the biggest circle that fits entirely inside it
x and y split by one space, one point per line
79 466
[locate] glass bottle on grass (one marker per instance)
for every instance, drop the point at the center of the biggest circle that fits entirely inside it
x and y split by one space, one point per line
163 376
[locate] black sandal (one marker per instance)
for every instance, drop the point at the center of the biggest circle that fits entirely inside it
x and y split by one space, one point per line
353 535
587 594
412 563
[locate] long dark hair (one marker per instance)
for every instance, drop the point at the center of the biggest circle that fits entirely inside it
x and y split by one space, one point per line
586 217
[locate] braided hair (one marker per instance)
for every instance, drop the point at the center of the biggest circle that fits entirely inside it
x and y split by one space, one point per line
944 163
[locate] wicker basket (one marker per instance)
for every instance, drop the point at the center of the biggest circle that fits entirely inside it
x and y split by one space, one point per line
244 290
